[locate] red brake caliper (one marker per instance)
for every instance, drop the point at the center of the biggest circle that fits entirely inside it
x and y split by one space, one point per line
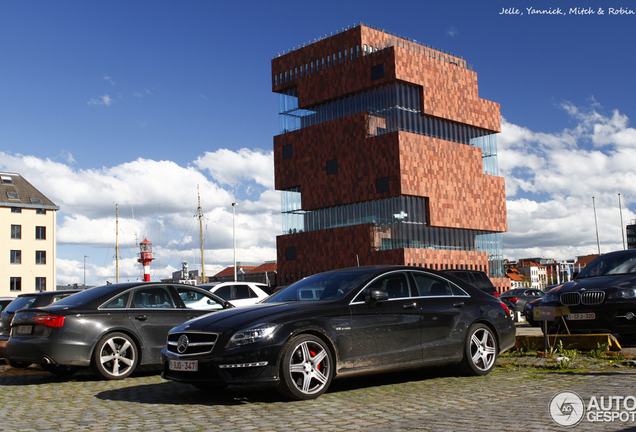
313 354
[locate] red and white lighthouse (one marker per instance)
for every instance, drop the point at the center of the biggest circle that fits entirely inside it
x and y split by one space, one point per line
145 248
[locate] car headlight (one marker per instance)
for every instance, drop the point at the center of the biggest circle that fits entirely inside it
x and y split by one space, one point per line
550 298
624 294
251 335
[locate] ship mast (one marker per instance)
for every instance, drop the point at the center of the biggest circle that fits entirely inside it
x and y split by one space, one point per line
201 237
117 240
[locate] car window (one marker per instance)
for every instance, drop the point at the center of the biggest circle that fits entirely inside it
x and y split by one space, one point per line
611 264
327 286
394 284
21 303
152 297
119 302
242 292
59 297
195 299
429 286
224 292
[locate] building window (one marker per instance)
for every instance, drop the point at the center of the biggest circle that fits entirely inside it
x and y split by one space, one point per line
377 72
332 166
328 58
288 151
357 51
295 73
13 195
40 211
7 180
322 67
275 80
285 76
40 233
345 54
312 67
35 200
334 59
40 257
290 253
40 284
340 57
16 210
16 231
365 49
16 257
382 185
15 284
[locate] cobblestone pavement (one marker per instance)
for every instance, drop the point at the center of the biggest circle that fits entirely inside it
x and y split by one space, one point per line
515 396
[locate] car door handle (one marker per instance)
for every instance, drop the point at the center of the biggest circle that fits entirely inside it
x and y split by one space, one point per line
409 306
141 318
458 304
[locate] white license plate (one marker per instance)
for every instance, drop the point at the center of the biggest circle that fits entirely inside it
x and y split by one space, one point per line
581 316
24 330
184 365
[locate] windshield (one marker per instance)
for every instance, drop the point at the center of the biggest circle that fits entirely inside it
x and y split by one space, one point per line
612 264
21 303
321 287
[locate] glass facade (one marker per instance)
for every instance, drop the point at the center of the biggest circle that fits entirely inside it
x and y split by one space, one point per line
393 107
398 223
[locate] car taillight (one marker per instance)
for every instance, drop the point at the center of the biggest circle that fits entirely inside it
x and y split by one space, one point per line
513 299
506 308
49 320
497 294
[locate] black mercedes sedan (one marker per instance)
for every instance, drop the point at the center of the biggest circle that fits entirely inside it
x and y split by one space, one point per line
111 328
600 299
339 323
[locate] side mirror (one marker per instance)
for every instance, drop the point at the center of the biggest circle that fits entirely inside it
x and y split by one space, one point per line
376 295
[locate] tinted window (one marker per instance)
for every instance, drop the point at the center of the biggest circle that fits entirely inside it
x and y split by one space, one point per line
242 292
321 287
118 303
620 263
394 284
428 286
21 303
224 292
152 297
195 299
84 297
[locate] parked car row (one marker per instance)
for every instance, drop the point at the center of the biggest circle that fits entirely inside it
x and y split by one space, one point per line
600 299
328 325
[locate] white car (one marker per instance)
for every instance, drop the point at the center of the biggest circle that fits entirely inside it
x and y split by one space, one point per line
239 293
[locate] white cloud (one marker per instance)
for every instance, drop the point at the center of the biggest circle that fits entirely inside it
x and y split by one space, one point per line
551 179
102 100
452 31
231 168
109 79
158 200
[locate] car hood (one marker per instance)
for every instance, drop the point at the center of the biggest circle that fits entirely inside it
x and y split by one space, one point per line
602 283
242 317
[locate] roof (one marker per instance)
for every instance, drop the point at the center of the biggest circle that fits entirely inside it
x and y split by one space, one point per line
230 270
266 267
514 276
583 261
16 191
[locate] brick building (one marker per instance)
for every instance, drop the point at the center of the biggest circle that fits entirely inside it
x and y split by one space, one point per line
386 155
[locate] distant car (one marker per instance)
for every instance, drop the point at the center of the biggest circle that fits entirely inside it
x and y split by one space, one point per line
601 298
4 301
527 308
239 293
111 328
339 323
23 301
520 296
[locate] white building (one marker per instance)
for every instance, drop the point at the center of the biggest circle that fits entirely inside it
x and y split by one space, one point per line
27 237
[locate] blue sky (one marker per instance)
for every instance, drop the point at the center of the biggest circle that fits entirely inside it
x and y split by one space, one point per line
139 101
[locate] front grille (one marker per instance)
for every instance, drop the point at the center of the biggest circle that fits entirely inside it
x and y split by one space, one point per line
191 343
592 297
570 299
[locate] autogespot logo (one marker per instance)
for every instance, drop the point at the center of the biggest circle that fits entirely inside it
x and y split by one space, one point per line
567 408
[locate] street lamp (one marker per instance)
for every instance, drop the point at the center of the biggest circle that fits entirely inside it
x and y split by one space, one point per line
85 256
234 235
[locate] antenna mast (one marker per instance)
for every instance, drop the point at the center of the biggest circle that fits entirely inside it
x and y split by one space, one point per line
201 236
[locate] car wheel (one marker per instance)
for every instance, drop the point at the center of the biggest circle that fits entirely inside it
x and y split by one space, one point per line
60 370
16 364
115 356
306 368
480 350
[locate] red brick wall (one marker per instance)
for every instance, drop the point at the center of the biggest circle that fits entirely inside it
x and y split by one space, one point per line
448 89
